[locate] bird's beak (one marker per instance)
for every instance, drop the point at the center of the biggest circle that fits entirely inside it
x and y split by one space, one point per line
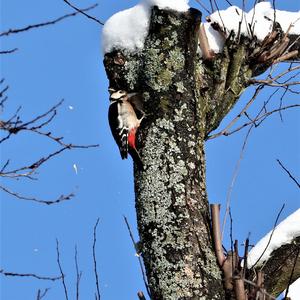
111 90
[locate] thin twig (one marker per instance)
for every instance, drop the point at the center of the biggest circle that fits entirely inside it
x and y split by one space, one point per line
78 274
288 172
13 274
260 118
41 295
138 256
61 271
292 273
95 260
203 6
234 176
29 27
269 241
47 202
82 12
9 51
225 130
259 288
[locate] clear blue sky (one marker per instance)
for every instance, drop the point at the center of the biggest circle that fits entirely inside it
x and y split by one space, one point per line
65 61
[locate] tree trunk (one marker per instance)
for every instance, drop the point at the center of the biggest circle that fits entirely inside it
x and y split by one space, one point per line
185 98
171 200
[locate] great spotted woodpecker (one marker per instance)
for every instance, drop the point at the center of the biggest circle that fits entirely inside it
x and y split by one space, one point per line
124 122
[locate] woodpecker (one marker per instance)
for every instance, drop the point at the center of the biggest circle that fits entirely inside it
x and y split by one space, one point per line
124 122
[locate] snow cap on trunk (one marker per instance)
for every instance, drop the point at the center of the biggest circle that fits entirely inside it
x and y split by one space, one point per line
128 29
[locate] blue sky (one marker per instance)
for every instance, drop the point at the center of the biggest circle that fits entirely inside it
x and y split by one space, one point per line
65 61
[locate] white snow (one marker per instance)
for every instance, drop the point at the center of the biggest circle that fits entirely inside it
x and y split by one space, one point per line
294 290
215 39
179 5
284 233
128 29
75 168
257 22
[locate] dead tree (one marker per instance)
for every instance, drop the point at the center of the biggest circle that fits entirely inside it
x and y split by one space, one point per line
185 98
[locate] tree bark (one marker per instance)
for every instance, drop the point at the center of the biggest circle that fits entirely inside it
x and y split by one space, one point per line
282 268
171 200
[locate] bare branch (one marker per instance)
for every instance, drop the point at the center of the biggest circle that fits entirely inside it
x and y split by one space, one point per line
48 202
259 289
269 241
203 6
215 218
29 27
97 295
225 130
9 51
61 271
14 125
234 176
82 12
288 172
239 289
78 274
138 256
13 274
41 295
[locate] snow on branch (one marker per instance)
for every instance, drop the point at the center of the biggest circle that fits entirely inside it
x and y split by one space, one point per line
256 24
284 233
128 29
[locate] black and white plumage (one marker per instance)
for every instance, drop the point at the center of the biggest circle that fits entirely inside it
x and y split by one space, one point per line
123 121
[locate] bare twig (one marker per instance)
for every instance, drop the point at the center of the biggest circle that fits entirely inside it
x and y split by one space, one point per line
288 172
14 125
48 202
13 274
29 27
258 287
9 51
234 176
260 118
292 273
41 295
82 12
203 6
225 130
61 271
138 256
95 261
78 274
269 241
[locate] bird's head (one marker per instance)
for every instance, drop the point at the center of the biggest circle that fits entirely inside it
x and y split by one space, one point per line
118 95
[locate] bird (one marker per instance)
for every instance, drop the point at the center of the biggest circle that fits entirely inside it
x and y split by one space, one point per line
125 115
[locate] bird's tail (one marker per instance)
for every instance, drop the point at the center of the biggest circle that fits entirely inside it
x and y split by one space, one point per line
136 158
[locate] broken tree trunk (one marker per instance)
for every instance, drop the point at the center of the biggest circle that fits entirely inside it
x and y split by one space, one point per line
185 98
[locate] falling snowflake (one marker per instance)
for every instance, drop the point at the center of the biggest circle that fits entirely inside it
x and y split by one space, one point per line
75 168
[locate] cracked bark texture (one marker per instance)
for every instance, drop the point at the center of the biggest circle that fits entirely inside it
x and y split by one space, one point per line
185 98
